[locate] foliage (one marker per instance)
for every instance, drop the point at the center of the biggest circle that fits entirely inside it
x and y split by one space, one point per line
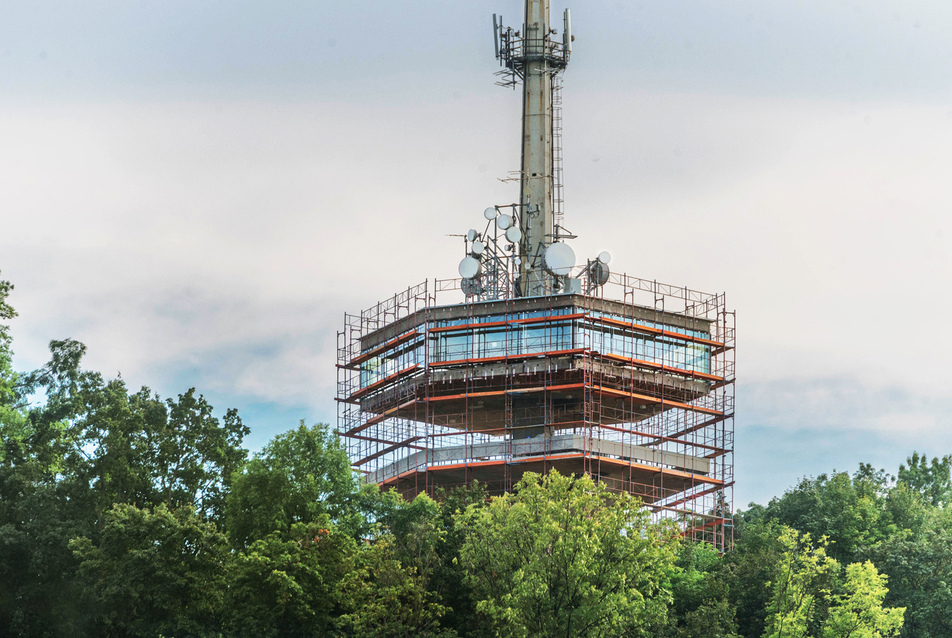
859 612
287 583
11 415
563 556
919 567
389 599
701 605
849 511
152 573
932 480
803 576
301 476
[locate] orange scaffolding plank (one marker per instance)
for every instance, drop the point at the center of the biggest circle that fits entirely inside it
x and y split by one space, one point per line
370 354
650 399
376 385
696 495
496 393
391 448
510 322
641 363
377 419
661 470
655 331
385 441
511 357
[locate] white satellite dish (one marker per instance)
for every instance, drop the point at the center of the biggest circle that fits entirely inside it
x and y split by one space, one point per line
604 256
503 222
471 234
469 267
513 234
559 259
478 248
490 213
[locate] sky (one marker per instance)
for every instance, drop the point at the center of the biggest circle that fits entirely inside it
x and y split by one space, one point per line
198 191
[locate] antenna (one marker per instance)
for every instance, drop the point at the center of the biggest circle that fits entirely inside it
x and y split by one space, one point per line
566 35
496 33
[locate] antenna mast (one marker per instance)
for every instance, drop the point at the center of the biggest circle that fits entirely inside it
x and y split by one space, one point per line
534 58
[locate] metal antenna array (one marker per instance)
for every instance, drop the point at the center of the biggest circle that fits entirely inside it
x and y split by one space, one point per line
534 261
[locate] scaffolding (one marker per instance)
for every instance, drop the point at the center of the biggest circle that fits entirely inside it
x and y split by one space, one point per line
631 383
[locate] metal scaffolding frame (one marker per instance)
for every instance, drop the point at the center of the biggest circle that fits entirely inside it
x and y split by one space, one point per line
632 384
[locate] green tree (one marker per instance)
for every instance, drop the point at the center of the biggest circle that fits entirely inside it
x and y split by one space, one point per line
11 412
564 556
289 583
748 568
299 477
84 445
919 567
154 573
933 480
701 606
804 571
387 598
859 612
849 511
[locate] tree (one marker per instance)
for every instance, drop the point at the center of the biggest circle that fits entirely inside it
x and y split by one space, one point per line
849 511
84 446
564 556
153 573
803 572
289 583
919 567
386 598
299 477
859 612
749 567
700 589
11 413
932 480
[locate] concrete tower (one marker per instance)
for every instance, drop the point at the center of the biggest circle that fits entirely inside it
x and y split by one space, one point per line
530 362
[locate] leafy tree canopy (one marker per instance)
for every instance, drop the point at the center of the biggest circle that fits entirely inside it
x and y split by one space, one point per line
933 480
299 477
563 556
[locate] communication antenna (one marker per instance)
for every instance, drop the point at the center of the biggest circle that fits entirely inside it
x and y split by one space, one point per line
559 259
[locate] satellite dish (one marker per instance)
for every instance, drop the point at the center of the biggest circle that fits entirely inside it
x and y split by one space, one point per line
503 222
471 234
604 257
478 248
517 261
490 213
469 286
598 273
469 267
559 259
513 234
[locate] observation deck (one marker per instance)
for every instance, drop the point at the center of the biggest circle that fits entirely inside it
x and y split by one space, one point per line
636 391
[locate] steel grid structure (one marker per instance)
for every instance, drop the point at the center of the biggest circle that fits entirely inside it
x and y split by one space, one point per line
632 384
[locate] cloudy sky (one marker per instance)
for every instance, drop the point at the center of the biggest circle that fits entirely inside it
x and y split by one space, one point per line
199 191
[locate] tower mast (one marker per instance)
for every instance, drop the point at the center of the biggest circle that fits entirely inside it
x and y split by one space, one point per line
534 57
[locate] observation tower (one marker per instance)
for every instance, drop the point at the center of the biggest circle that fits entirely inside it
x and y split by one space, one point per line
532 359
